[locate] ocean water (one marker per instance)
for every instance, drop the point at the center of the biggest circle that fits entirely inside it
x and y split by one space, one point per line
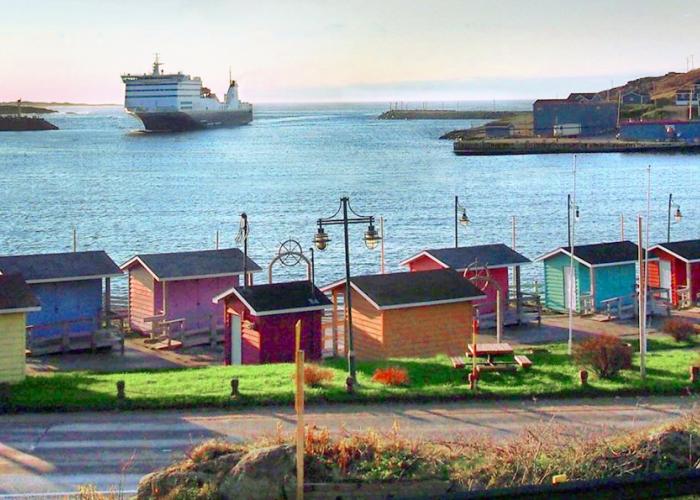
129 192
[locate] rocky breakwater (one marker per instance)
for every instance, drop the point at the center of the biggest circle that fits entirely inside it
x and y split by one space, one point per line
24 123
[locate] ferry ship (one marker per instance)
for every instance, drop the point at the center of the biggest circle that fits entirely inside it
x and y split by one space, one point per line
177 102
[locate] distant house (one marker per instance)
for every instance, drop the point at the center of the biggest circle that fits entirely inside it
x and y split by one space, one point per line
497 130
410 314
601 271
582 118
497 259
260 322
634 97
688 95
16 301
677 270
181 285
585 97
74 290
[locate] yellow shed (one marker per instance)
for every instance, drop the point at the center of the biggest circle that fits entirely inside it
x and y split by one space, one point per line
16 300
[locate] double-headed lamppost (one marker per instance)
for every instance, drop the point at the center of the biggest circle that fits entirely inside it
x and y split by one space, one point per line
372 238
677 216
460 219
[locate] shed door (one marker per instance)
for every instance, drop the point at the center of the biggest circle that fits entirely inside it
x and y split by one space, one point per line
665 274
236 339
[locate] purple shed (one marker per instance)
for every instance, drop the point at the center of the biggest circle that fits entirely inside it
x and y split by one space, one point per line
181 285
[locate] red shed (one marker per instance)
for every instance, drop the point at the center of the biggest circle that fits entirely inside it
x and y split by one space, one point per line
261 319
497 258
677 270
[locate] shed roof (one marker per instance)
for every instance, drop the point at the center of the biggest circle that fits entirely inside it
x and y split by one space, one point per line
687 250
600 254
495 255
411 289
56 267
279 298
15 295
194 264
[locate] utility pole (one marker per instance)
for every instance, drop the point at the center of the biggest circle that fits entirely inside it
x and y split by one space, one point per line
642 301
572 273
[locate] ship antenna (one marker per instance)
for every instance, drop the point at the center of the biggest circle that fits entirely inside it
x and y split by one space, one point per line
156 65
229 76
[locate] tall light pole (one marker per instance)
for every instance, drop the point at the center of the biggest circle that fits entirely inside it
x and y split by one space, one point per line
460 219
371 238
571 295
677 216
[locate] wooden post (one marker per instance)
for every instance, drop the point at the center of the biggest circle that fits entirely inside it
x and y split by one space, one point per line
499 316
75 239
475 333
217 239
213 331
299 407
108 298
622 227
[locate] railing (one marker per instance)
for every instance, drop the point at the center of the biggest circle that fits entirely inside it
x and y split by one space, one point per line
587 304
684 298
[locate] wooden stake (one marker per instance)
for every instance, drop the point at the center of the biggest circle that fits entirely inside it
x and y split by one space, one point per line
381 242
299 407
475 332
75 239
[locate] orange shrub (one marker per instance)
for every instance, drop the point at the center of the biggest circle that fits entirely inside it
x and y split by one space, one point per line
392 375
606 354
316 376
680 329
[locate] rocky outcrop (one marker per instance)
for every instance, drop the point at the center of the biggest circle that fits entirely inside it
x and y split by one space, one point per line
260 474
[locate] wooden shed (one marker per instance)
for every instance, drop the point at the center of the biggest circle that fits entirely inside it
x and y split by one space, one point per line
73 289
181 285
16 301
498 259
602 272
261 319
677 270
410 314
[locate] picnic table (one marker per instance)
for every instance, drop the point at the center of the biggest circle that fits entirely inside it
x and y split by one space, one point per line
490 351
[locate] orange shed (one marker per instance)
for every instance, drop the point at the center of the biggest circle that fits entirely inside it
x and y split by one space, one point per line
410 314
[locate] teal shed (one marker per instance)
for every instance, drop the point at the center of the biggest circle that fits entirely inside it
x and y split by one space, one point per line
602 271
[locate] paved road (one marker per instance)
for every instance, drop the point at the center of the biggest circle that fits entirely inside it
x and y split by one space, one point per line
56 452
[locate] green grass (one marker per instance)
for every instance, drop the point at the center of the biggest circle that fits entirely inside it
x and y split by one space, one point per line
553 375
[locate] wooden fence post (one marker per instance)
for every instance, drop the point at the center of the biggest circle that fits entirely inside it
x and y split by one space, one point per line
299 407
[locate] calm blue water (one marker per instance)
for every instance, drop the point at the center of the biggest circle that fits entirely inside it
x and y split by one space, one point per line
129 192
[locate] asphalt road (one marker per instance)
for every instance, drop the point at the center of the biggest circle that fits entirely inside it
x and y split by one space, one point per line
41 453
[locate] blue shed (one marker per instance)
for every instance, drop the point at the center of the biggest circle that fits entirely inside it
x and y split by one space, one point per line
73 290
591 118
602 271
661 131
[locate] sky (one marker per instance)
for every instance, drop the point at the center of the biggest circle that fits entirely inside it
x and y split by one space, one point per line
349 50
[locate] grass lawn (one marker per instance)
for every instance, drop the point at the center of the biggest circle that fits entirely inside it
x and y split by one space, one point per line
553 374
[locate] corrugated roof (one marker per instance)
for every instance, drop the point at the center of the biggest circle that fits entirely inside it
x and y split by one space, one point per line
495 255
60 266
196 264
273 297
687 249
15 293
415 288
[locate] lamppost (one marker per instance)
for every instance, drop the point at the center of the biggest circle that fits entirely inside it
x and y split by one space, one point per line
676 217
460 219
242 237
371 238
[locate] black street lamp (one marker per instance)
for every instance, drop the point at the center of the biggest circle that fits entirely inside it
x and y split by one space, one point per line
371 238
676 216
460 219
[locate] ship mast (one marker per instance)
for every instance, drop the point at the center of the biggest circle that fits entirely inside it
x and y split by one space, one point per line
156 65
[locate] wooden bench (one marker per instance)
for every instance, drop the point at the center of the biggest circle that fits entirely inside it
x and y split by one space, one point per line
523 361
496 368
457 362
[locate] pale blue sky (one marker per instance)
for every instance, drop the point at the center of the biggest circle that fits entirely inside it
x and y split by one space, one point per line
351 50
